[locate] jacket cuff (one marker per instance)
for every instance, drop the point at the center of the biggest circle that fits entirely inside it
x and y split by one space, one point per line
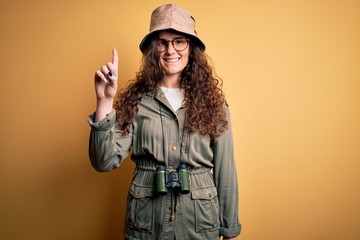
106 124
230 232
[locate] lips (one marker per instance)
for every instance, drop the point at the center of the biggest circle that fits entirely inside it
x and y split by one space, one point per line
172 60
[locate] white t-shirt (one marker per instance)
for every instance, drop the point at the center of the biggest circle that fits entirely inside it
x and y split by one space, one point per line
175 96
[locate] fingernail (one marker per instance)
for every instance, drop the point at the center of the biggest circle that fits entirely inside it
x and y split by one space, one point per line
114 73
105 80
110 74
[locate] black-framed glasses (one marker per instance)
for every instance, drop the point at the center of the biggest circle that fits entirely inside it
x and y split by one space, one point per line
179 44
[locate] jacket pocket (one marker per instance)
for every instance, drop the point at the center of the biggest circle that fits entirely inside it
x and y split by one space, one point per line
139 214
206 209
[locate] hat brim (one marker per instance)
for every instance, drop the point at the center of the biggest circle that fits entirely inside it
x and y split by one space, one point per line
147 39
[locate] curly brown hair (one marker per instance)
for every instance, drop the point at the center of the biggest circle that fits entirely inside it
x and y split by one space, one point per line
204 98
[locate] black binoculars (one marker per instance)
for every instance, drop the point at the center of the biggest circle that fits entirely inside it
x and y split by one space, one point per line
172 179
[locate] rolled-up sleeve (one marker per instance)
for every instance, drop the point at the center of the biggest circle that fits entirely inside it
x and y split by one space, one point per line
108 147
225 178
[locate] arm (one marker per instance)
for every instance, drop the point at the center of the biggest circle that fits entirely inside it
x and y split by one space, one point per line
225 178
108 147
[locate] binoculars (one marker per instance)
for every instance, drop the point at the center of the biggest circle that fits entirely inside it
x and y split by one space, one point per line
173 179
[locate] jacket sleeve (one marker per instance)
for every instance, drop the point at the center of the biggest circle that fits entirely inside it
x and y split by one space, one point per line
225 178
108 147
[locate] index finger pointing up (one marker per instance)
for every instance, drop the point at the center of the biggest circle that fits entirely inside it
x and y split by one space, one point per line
115 58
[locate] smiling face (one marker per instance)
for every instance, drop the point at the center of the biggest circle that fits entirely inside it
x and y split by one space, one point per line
173 61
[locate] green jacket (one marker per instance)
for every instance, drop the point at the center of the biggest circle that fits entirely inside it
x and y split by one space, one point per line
158 137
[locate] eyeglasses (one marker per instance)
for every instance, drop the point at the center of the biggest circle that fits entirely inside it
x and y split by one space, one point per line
179 44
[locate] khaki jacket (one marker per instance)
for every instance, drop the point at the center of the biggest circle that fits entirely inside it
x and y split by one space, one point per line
158 137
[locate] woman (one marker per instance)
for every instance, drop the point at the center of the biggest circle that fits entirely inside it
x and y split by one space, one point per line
175 120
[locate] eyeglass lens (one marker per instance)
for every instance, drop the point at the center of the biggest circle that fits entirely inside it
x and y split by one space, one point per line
180 44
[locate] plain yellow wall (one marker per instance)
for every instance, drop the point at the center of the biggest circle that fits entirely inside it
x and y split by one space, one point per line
291 72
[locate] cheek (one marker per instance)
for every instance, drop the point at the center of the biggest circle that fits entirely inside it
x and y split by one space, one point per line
186 58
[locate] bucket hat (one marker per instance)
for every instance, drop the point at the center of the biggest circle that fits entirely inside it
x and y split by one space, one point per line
171 16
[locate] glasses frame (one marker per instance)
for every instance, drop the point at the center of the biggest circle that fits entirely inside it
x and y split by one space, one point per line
172 43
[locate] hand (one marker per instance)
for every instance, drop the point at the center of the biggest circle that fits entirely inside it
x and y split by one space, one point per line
105 87
106 79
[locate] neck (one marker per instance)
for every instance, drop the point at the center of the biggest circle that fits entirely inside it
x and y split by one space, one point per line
170 81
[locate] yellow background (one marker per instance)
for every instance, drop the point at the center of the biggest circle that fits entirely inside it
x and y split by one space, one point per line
291 72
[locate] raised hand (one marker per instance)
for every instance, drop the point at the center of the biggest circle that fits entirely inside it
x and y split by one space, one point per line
106 86
106 79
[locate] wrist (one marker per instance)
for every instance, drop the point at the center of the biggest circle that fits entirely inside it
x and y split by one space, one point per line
103 107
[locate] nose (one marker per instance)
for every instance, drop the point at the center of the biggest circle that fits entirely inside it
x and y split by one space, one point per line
170 49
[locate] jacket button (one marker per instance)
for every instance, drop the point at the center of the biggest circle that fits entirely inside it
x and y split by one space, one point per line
173 148
162 95
210 194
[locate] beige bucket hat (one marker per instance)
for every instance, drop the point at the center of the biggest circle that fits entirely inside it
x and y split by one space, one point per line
171 16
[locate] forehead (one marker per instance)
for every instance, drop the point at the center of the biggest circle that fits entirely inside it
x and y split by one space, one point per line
168 34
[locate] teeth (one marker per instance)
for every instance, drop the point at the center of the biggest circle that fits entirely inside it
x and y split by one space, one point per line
172 60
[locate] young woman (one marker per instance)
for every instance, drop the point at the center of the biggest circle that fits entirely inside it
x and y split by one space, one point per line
174 118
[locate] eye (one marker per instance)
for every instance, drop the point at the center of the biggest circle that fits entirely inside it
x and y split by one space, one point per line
162 42
179 41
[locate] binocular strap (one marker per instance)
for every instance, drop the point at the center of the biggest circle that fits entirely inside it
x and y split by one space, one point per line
174 203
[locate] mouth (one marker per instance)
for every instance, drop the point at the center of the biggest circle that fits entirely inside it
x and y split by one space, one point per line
171 60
